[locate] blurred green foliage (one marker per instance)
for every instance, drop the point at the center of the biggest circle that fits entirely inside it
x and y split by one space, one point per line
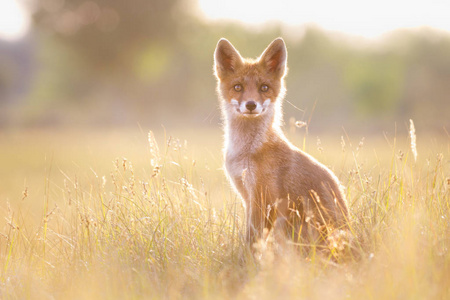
376 81
150 62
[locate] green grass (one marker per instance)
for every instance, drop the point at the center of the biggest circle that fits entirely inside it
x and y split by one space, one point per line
107 215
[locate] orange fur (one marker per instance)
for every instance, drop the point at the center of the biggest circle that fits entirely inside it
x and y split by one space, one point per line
282 187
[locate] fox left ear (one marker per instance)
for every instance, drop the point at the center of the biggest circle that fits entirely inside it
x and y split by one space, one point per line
274 58
226 59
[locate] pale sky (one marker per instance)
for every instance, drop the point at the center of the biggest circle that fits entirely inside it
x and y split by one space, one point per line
368 19
14 22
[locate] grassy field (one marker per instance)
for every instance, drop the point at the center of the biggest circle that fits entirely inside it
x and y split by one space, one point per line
114 214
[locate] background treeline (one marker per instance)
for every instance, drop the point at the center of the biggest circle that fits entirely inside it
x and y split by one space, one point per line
115 62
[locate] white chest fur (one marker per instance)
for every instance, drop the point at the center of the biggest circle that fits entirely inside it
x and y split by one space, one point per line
241 172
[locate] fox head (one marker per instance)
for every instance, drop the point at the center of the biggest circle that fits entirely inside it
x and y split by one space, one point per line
250 88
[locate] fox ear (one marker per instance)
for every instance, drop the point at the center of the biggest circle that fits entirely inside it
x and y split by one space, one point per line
274 58
226 59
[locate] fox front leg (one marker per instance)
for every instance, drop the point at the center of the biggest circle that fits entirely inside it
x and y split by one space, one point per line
256 222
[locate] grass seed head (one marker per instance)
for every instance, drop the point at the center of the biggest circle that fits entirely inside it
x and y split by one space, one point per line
412 135
154 149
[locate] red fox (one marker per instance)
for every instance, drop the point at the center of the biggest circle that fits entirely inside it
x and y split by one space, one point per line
282 187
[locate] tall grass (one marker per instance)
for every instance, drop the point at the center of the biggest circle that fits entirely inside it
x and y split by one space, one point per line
172 232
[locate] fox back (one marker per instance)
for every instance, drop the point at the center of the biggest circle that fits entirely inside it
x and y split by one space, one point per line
282 187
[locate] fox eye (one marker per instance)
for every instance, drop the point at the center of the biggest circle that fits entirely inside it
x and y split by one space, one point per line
264 88
238 87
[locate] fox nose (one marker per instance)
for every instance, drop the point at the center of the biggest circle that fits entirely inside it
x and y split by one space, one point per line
250 105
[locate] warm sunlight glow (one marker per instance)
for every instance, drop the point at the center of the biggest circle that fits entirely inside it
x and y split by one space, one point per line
14 21
362 18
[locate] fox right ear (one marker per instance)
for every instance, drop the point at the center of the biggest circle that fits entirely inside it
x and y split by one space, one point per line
226 59
274 58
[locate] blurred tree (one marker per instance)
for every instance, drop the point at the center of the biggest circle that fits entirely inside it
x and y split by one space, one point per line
108 34
127 57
